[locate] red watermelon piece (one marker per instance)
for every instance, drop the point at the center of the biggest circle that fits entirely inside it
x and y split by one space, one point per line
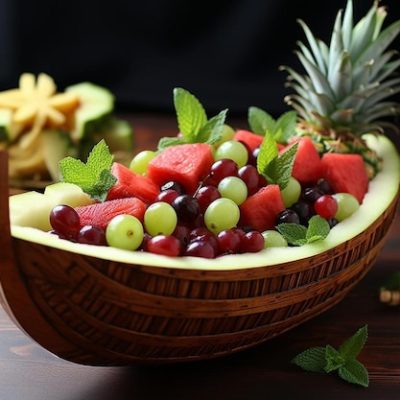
346 173
307 166
250 139
100 214
262 208
186 164
130 184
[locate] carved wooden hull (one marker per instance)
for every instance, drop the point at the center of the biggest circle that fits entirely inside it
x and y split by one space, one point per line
91 311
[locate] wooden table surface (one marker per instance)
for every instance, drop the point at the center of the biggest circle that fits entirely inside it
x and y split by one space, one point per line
28 372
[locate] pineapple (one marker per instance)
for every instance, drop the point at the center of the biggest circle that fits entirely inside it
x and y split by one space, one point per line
345 92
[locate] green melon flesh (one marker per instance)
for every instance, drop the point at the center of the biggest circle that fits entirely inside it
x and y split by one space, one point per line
96 103
32 209
382 191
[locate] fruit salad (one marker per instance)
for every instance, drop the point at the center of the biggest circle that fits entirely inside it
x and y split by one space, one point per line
40 125
213 191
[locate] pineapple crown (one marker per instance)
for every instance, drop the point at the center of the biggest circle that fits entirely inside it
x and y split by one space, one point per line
347 86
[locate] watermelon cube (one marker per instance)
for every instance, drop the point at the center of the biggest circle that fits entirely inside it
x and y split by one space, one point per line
100 214
307 166
130 184
186 164
250 139
260 210
346 173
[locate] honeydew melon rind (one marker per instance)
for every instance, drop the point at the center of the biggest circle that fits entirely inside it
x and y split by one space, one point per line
382 190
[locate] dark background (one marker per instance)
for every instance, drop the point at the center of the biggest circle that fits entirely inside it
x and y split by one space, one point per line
226 52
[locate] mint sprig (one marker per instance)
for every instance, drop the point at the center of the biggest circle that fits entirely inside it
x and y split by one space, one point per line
94 177
327 359
193 123
281 130
276 168
299 235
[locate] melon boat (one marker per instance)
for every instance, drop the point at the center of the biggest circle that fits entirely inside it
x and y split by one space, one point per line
105 306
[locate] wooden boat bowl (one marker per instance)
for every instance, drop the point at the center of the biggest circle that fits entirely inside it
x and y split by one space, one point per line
98 312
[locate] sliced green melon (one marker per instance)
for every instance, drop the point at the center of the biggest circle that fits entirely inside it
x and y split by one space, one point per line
5 124
96 103
382 190
56 145
33 209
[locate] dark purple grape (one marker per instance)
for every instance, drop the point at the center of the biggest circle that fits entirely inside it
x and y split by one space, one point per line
288 217
303 210
200 249
172 185
324 186
92 235
332 222
312 194
255 153
186 207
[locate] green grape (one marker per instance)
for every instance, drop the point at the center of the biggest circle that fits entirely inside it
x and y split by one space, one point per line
221 214
227 134
140 162
233 150
273 239
347 205
291 193
233 188
124 232
160 219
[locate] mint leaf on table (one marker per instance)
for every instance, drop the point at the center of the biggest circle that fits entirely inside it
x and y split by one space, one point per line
94 177
354 372
312 359
298 235
260 121
192 122
327 359
190 114
333 359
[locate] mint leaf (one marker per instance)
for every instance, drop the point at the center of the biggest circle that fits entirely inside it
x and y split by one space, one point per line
268 152
293 233
285 166
352 346
312 359
354 372
318 229
328 359
169 141
211 131
285 127
260 121
190 114
94 177
333 359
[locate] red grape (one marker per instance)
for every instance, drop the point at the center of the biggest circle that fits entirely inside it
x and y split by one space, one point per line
200 249
223 168
206 195
168 196
252 242
326 206
250 177
164 245
229 241
65 221
182 233
92 235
